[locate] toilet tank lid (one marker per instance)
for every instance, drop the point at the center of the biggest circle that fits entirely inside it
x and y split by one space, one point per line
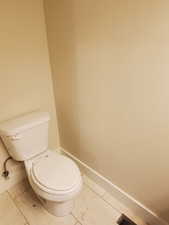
22 123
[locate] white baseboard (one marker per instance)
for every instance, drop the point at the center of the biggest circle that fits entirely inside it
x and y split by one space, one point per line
124 198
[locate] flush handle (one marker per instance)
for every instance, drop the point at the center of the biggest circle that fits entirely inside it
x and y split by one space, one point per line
15 137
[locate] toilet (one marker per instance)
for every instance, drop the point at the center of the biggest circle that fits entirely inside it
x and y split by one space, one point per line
55 178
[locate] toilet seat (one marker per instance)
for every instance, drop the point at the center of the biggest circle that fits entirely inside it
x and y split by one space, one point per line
55 174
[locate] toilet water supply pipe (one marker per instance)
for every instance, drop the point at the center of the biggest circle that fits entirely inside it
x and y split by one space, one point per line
5 172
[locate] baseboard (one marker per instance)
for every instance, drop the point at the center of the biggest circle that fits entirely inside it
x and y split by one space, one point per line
124 198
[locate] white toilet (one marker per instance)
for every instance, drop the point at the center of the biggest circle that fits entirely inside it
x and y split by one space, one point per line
56 179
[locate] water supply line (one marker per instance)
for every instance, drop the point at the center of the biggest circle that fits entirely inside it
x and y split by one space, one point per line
5 172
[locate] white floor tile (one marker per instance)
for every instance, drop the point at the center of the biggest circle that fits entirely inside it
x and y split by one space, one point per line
19 188
36 214
9 213
94 206
90 209
95 187
121 208
114 203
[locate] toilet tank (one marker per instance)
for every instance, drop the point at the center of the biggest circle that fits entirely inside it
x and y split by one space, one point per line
26 136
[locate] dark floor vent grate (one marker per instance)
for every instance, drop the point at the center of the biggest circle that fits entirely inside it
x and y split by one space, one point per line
124 220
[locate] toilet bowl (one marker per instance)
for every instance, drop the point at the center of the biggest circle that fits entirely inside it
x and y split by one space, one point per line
55 178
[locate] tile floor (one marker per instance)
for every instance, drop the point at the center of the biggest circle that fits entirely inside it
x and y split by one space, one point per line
19 206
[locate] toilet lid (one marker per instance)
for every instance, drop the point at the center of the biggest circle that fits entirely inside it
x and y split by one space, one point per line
55 172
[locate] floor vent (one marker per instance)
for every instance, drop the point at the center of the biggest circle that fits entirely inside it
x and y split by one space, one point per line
124 220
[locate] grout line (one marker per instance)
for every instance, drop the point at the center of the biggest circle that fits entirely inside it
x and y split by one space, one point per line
26 220
85 183
101 199
77 220
78 223
112 206
127 213
104 199
13 198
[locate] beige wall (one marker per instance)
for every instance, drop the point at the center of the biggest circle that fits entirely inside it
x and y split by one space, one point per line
110 62
25 77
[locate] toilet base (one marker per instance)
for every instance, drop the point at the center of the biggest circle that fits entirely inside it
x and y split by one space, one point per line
58 209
